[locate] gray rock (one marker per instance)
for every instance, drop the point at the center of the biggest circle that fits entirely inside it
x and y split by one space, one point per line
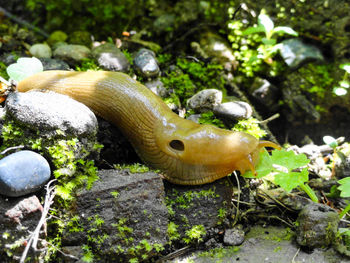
132 207
157 87
265 93
233 237
317 226
234 110
72 54
22 173
54 64
18 217
50 111
41 51
205 100
110 57
145 63
295 53
194 117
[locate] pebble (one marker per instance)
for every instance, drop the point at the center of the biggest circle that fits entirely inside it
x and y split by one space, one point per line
72 54
205 100
111 58
40 51
296 53
54 64
234 110
22 173
49 111
233 237
265 93
146 64
157 87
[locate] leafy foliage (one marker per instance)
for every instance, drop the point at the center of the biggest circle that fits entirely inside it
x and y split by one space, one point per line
24 68
344 187
250 126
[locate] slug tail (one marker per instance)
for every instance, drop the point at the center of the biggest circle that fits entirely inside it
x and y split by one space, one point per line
263 144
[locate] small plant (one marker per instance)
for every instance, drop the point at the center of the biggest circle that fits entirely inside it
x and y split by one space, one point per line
269 47
286 169
250 126
195 234
344 84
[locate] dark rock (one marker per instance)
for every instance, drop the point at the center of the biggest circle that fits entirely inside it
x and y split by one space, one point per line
317 226
296 53
50 111
72 54
132 216
54 64
265 93
22 173
111 58
199 205
234 110
10 58
145 63
18 217
157 87
205 100
233 237
40 51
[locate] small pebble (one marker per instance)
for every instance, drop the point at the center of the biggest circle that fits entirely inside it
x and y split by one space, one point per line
234 110
233 237
40 51
111 58
22 173
146 64
72 54
205 100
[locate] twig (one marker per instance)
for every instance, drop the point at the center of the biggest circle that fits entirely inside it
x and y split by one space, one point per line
275 116
293 259
12 148
238 198
23 23
34 236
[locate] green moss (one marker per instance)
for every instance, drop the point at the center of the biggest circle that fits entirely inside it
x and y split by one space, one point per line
133 168
209 118
195 234
218 254
173 233
88 64
250 126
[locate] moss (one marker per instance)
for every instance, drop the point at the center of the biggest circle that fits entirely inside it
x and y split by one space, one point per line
195 234
250 126
88 64
218 254
133 168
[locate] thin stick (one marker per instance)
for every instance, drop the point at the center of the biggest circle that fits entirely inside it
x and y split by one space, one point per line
12 148
238 198
293 259
34 236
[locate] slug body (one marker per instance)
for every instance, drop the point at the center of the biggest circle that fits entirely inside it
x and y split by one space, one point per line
188 153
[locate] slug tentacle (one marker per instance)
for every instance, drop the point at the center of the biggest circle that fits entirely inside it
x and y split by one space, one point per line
187 153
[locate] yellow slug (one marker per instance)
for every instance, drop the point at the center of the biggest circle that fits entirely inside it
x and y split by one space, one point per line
188 153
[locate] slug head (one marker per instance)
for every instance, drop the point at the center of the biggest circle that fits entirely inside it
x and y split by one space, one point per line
204 152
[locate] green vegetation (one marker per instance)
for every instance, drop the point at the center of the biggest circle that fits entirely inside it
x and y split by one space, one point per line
282 165
195 234
133 168
250 126
344 84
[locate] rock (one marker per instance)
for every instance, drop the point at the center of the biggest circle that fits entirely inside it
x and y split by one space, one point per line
205 100
111 58
145 63
164 23
18 217
57 36
157 87
22 173
317 226
206 205
132 214
41 51
72 54
10 58
296 53
54 64
80 38
49 111
234 110
194 117
233 237
265 93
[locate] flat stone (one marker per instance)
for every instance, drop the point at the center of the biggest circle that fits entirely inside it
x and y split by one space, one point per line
234 110
22 173
72 54
54 64
51 111
41 51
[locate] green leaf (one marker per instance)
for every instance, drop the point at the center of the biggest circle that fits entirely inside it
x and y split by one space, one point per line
291 180
24 68
330 141
269 42
263 168
346 67
253 30
266 22
289 159
344 187
285 30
